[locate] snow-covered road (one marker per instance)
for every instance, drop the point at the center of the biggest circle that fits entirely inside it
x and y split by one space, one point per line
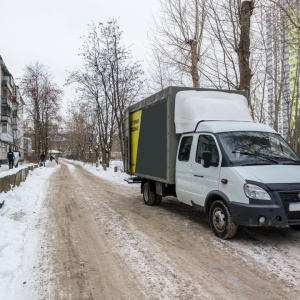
93 238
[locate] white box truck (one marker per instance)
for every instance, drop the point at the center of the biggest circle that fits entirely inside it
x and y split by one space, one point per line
202 146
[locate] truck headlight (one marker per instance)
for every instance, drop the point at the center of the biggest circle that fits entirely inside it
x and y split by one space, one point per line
255 192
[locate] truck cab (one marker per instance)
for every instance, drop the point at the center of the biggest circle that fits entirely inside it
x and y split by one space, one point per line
240 174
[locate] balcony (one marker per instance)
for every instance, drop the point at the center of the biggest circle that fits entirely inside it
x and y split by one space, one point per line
6 82
6 101
6 133
5 119
15 127
6 137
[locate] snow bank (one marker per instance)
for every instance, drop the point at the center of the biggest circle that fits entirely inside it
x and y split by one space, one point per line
110 173
18 217
12 235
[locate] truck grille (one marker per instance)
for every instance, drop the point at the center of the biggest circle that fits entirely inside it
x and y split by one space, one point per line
286 198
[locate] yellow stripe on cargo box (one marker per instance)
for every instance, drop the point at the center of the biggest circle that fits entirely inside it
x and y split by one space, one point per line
135 124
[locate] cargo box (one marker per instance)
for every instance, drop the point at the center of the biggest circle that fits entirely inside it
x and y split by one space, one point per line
150 137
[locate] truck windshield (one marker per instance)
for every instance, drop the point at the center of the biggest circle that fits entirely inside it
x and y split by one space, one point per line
252 148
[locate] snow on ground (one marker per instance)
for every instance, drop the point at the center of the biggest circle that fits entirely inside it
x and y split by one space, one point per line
276 250
19 218
110 173
4 170
20 234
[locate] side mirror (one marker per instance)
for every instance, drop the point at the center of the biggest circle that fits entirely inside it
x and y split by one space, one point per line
206 159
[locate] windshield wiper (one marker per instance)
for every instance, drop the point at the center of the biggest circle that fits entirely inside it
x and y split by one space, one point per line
256 155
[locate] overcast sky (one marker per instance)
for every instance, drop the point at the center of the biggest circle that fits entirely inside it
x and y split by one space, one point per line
49 31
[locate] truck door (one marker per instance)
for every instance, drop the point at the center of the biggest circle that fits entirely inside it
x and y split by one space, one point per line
183 169
205 180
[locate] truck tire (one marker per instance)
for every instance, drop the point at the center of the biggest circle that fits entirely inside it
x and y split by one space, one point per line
221 221
148 195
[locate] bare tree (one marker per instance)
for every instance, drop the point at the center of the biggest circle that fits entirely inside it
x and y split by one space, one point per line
253 45
89 87
228 63
177 40
117 77
81 134
42 103
220 66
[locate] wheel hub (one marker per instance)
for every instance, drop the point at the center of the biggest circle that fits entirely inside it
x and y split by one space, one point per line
219 220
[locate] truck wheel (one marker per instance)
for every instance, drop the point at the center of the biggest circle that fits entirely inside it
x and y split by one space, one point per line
148 195
221 221
295 227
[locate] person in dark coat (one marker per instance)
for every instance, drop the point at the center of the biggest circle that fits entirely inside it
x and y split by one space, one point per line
43 158
10 158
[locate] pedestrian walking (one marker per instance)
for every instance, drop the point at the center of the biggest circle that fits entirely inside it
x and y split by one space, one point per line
43 159
10 158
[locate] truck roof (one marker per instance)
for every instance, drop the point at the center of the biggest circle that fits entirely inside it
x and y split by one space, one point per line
225 126
192 106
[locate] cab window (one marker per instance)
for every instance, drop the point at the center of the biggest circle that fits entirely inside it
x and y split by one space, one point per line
207 143
185 148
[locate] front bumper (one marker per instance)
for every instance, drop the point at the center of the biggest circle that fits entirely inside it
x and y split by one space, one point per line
249 214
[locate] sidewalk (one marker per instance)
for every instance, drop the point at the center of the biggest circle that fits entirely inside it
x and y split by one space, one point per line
49 164
4 167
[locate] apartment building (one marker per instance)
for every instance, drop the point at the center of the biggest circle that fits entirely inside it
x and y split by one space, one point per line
12 104
283 66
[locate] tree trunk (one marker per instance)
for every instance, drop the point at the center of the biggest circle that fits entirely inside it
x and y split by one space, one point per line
194 61
244 45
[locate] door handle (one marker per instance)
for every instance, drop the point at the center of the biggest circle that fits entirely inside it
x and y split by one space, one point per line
201 176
